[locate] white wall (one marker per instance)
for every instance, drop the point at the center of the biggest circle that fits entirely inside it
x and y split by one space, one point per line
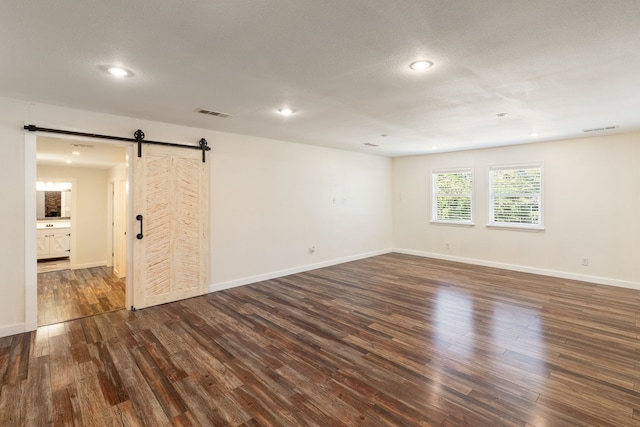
89 217
12 216
591 206
270 200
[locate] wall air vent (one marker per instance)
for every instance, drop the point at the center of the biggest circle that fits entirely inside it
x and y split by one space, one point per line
83 146
370 144
599 129
212 113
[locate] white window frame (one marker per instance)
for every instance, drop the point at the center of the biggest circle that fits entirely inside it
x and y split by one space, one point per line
435 194
491 222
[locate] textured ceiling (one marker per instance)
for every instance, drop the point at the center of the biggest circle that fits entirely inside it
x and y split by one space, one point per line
91 154
556 67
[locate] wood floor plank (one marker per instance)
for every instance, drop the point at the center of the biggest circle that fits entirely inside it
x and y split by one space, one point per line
72 294
63 414
393 340
12 405
170 400
17 363
206 410
113 389
147 408
38 389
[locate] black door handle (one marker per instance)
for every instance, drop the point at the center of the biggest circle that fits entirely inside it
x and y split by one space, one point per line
139 235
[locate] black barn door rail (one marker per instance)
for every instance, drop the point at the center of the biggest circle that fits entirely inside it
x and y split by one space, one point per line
138 139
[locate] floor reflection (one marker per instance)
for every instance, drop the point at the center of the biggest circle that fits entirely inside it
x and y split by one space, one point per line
485 341
453 321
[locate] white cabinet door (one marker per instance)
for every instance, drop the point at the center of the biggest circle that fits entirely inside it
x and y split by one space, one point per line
53 243
42 243
59 244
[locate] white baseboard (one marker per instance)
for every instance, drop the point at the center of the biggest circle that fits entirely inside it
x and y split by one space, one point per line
524 269
281 273
89 265
18 328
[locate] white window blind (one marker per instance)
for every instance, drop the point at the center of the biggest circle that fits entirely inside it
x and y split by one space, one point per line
515 194
452 196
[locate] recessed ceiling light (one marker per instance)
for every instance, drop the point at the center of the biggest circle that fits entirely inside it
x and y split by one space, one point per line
534 135
502 114
420 65
285 111
75 153
118 71
68 161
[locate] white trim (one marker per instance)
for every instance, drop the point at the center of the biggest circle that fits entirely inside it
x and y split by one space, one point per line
452 170
110 226
281 273
90 265
522 227
18 328
30 252
525 269
457 223
129 226
512 166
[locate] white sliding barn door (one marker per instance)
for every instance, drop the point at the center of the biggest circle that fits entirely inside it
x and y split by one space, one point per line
170 262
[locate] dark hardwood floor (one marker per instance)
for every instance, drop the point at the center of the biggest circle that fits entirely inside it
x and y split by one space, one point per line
71 294
393 340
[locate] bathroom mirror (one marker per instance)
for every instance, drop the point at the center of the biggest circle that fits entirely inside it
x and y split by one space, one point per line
53 204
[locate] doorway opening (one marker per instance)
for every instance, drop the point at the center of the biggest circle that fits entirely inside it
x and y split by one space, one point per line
86 273
53 224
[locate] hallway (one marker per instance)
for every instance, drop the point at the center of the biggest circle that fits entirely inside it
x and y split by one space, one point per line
72 294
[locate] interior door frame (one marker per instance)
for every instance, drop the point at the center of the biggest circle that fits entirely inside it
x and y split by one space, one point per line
110 218
30 252
120 233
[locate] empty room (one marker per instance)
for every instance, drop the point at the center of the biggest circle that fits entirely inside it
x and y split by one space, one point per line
304 213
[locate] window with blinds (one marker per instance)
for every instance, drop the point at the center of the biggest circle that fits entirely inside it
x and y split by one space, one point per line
452 196
515 196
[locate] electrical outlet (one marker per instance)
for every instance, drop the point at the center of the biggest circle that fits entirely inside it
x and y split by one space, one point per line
312 250
447 245
585 261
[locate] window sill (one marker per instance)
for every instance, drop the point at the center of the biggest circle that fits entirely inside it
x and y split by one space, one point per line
454 223
535 228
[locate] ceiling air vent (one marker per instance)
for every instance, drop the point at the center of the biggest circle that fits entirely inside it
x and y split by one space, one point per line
83 146
370 144
212 113
599 129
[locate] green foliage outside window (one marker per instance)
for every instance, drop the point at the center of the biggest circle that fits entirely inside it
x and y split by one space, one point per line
516 196
452 196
